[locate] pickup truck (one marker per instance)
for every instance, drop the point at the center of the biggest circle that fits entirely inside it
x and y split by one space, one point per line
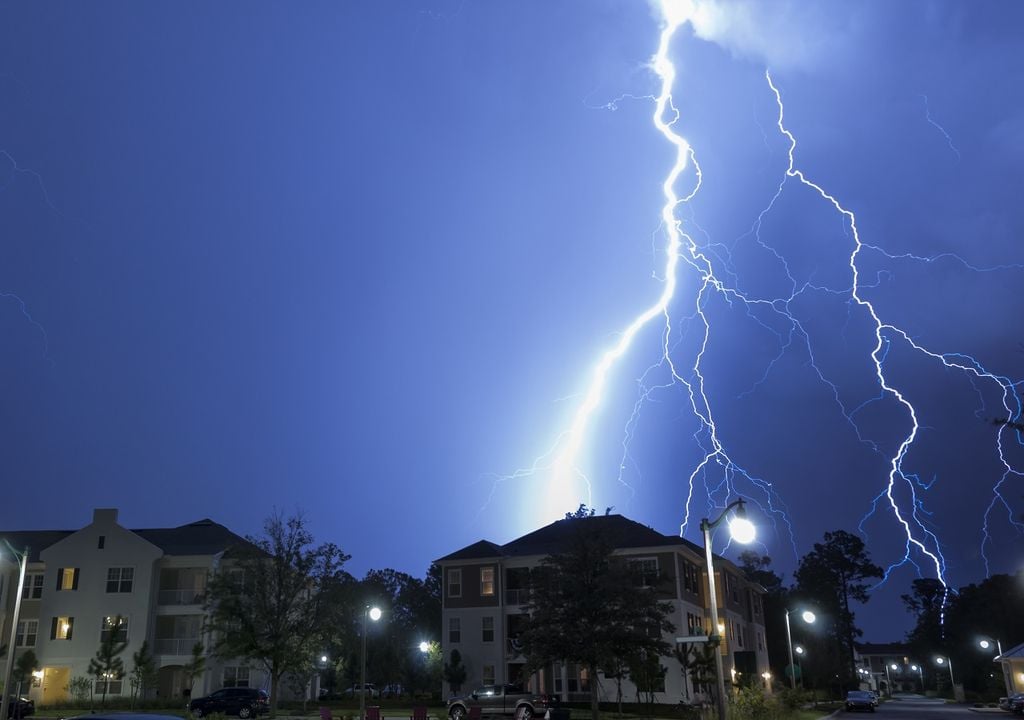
510 700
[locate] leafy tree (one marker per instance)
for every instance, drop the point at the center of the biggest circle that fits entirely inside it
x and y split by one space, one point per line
195 666
455 671
697 661
26 664
585 607
143 674
106 666
833 574
272 603
80 688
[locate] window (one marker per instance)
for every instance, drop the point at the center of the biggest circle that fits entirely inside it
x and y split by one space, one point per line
645 571
101 542
760 640
108 686
27 632
119 579
455 583
695 624
731 584
116 624
454 630
488 628
691 578
486 581
67 579
488 674
33 588
61 627
236 677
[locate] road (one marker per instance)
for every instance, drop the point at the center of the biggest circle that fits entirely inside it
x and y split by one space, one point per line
920 708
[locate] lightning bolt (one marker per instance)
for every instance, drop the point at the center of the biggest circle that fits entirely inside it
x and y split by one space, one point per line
722 477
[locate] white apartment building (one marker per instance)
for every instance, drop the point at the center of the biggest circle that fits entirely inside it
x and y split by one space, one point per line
78 581
486 589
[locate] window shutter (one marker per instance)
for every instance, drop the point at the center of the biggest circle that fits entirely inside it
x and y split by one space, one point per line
71 626
53 629
74 580
60 576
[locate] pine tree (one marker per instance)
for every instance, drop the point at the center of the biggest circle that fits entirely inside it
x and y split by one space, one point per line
106 666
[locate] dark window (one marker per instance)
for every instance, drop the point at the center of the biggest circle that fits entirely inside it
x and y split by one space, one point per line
102 541
645 570
488 629
120 580
33 588
454 630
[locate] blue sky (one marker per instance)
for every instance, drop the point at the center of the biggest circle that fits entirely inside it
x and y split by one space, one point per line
359 258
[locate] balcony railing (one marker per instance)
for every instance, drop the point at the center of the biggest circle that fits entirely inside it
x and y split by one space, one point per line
517 596
175 646
180 597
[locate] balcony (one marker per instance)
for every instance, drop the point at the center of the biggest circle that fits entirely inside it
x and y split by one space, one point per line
189 596
175 646
517 596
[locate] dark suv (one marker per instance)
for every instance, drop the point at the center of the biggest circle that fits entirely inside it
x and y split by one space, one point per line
240 701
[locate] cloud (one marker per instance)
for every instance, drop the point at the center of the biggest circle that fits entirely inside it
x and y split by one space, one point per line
781 34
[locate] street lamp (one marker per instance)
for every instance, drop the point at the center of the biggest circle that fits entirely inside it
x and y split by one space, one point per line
743 532
808 617
920 671
23 562
374 614
986 644
949 663
424 647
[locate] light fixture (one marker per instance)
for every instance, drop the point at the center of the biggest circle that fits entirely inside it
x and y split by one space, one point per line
375 614
808 616
799 649
424 646
742 530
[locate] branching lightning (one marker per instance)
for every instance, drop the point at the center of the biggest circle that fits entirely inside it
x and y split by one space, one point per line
721 476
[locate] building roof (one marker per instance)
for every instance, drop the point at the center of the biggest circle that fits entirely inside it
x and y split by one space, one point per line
203 537
621 531
1014 653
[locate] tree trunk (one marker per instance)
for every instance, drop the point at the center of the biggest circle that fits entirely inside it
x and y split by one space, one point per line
595 712
275 681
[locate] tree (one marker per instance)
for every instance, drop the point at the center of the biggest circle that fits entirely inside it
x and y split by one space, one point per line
80 688
143 674
833 574
195 666
273 602
586 606
455 671
697 661
106 667
777 601
26 664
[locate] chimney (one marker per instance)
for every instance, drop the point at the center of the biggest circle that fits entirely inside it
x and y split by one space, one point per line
104 516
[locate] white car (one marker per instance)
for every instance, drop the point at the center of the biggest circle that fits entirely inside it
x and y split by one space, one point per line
355 690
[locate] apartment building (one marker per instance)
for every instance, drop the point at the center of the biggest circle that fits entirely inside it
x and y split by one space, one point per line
78 582
486 590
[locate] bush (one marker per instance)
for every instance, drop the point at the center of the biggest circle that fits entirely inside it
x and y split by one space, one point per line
750 703
793 699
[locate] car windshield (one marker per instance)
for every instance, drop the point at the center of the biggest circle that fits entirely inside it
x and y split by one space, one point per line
857 695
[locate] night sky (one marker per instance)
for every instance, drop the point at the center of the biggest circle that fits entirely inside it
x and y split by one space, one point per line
361 258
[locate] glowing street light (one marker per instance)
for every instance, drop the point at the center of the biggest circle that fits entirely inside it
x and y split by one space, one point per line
743 532
948 663
808 617
986 644
23 562
424 647
374 614
920 672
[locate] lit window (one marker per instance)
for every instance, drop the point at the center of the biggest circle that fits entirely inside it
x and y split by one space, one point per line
488 629
488 674
120 579
454 630
62 627
33 588
116 624
486 581
236 677
455 583
67 578
27 632
110 686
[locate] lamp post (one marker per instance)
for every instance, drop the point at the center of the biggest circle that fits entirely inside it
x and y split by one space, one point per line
986 644
373 613
920 672
808 617
800 652
949 663
743 532
23 562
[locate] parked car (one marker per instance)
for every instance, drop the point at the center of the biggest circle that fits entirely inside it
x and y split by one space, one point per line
859 700
874 697
241 701
511 700
1014 703
393 690
356 691
19 707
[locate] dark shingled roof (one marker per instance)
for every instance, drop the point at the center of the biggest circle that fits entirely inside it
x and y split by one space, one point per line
203 537
35 540
550 539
